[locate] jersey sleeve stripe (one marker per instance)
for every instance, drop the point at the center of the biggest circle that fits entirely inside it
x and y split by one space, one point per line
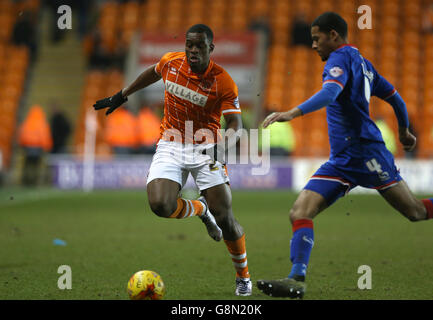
393 92
334 81
231 111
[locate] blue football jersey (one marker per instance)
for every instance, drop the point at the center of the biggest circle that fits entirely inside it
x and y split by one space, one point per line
348 116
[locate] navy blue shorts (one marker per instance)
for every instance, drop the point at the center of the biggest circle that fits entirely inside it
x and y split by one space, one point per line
373 167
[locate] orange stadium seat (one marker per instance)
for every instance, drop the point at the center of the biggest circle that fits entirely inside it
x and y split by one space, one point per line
275 98
194 18
12 91
324 5
151 10
217 23
412 8
115 80
280 21
6 6
151 23
280 37
259 8
281 6
428 83
305 7
425 141
92 93
199 4
297 95
196 12
196 8
238 22
277 53
8 105
31 5
174 9
217 6
6 25
173 23
130 20
428 55
151 5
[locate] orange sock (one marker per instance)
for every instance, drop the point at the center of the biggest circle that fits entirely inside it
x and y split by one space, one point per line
238 253
187 208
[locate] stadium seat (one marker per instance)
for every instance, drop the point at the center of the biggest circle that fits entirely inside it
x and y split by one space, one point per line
151 23
196 12
281 8
425 141
6 6
238 23
31 5
259 8
6 25
306 7
130 20
297 95
323 6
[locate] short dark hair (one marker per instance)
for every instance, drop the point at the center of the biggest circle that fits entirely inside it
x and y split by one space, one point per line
201 28
331 21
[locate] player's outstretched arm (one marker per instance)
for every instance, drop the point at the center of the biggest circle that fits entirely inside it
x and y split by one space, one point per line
327 95
282 116
146 78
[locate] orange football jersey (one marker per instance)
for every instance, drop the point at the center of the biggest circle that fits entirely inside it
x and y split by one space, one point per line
200 99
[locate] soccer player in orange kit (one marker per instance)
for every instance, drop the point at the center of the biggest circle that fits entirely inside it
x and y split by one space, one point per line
197 92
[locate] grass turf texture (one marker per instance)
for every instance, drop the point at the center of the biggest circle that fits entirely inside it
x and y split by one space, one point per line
112 234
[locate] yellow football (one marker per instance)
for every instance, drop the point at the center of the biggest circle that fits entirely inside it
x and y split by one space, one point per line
146 285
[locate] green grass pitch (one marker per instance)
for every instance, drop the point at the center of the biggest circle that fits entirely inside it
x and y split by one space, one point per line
112 234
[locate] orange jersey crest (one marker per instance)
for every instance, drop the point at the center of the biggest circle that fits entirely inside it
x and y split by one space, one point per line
198 98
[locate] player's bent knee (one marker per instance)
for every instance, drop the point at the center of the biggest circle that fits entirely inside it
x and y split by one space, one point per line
225 219
221 210
161 208
222 219
231 228
296 214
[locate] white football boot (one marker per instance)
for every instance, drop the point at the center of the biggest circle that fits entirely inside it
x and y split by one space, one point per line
244 287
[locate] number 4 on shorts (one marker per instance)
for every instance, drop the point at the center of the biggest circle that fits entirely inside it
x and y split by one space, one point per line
374 166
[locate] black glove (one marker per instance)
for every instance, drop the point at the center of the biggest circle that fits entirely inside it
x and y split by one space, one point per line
112 103
216 153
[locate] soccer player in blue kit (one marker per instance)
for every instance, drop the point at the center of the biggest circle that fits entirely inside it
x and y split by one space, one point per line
358 153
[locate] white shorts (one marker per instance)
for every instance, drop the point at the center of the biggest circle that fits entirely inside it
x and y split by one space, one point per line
174 161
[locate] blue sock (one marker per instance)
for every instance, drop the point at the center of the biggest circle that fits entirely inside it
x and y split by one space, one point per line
300 247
